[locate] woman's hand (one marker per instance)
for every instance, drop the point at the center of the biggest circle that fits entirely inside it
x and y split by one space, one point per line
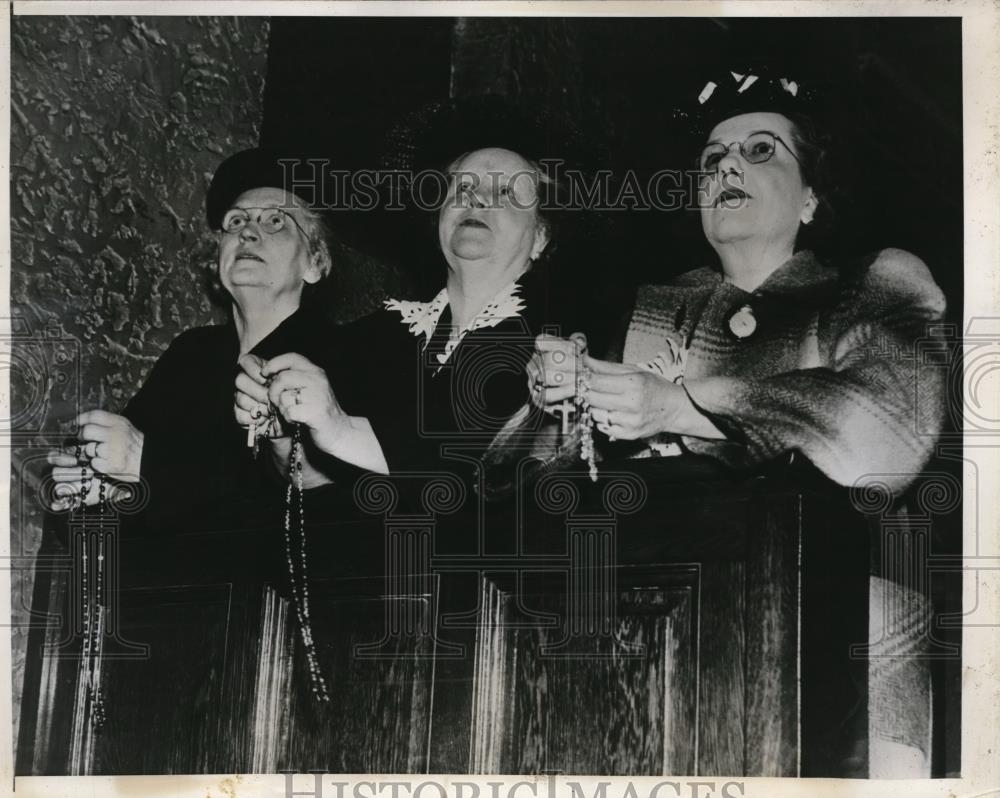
626 402
109 445
301 392
629 403
553 370
252 404
69 473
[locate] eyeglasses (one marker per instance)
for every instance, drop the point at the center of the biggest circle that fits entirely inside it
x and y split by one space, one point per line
270 220
756 148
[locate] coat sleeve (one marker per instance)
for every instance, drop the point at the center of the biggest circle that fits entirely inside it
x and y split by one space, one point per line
874 410
172 472
146 407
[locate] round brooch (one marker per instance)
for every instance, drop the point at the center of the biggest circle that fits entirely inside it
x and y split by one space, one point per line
743 323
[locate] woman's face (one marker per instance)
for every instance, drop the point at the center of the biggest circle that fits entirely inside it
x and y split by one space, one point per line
276 263
762 202
490 215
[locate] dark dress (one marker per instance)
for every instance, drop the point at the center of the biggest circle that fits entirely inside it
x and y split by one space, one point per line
434 411
213 510
435 407
196 466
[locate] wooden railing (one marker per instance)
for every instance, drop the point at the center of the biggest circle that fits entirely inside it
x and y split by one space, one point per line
643 625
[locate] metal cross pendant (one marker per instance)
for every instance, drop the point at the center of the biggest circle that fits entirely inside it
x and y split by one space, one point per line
566 410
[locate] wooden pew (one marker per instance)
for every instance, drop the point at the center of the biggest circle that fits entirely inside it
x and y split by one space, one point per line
649 624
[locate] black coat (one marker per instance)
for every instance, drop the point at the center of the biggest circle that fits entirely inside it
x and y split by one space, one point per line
196 468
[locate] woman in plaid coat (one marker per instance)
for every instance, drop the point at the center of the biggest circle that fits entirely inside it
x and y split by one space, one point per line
774 354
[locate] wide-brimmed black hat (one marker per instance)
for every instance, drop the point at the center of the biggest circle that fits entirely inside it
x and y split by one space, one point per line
434 136
299 174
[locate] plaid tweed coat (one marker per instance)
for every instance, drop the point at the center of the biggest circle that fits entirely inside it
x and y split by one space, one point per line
831 363
832 367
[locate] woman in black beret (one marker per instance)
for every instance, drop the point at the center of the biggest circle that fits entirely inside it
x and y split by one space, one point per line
175 440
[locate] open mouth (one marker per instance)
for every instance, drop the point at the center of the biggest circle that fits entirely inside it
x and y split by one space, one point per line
241 255
470 222
732 198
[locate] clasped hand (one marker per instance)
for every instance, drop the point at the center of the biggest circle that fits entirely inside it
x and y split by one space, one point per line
626 402
299 392
109 445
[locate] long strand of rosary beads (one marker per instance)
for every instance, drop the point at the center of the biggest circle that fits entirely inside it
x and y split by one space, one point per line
300 581
96 694
298 577
85 485
93 630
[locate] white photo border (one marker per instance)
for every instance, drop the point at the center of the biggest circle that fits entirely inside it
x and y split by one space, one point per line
981 588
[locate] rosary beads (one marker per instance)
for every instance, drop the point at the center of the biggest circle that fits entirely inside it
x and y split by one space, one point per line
580 409
299 576
585 422
92 586
260 429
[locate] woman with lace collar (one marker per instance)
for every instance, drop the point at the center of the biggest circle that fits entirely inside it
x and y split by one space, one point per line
471 337
434 381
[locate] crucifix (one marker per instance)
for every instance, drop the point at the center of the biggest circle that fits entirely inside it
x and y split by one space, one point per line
565 410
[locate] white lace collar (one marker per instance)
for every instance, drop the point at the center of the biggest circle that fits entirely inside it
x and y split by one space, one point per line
422 317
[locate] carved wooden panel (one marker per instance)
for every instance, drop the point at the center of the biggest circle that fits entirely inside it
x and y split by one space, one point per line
165 713
273 682
618 698
721 678
773 652
44 733
378 671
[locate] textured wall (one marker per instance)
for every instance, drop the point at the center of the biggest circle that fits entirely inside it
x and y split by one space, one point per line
117 126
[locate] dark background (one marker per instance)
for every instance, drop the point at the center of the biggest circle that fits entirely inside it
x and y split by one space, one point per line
894 86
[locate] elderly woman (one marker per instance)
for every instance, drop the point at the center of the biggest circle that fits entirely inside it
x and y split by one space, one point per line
772 353
445 371
176 434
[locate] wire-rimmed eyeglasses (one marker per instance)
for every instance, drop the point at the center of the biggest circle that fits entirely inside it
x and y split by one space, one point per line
270 220
756 148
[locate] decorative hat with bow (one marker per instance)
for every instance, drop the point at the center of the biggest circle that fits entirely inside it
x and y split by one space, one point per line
748 89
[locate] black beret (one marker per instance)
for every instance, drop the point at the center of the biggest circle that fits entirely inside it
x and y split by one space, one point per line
262 168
